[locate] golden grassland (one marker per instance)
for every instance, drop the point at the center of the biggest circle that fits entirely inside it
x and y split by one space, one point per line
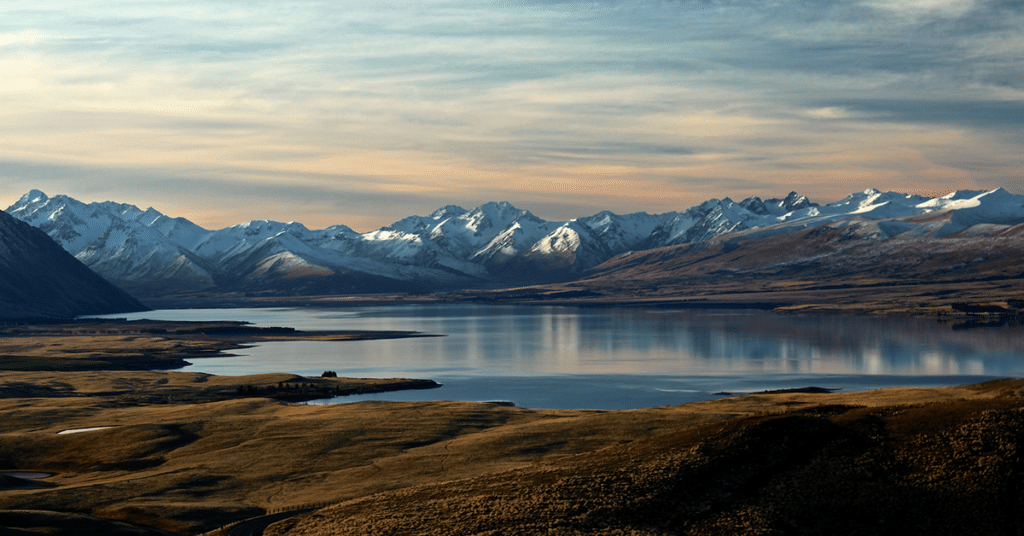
185 453
898 461
749 464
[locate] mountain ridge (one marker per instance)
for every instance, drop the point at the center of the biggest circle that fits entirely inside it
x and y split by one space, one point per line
38 278
492 246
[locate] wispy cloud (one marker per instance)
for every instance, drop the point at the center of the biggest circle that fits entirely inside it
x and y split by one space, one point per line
400 106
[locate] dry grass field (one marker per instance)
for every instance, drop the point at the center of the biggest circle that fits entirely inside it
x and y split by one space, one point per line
785 463
892 462
175 453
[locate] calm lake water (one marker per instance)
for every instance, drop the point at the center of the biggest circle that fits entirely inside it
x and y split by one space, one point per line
558 357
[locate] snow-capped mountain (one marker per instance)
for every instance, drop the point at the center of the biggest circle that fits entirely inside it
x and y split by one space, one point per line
867 247
884 215
122 243
492 245
715 218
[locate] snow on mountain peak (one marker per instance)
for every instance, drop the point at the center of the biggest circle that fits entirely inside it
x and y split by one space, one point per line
268 228
795 201
455 244
447 211
963 194
33 196
756 205
994 207
605 217
493 213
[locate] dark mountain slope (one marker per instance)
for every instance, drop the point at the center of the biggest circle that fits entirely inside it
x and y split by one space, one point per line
39 279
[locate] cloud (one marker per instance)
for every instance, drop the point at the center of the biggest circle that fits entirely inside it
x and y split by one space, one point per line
984 114
403 103
920 8
219 199
23 37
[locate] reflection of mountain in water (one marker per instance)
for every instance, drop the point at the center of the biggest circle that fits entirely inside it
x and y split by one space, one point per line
729 342
537 341
559 357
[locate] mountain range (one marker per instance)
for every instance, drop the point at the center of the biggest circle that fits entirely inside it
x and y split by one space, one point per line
497 245
869 253
493 245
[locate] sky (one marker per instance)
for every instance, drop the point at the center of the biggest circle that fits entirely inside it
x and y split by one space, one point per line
361 113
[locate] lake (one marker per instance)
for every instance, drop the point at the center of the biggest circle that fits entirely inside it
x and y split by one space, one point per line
615 358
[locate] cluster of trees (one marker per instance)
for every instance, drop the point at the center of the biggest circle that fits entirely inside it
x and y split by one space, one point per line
248 390
255 390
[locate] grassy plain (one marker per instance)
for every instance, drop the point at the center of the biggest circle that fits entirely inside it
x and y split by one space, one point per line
184 453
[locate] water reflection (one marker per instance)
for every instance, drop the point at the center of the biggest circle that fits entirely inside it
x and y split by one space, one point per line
662 350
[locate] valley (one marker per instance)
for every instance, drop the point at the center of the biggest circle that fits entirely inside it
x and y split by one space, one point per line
527 268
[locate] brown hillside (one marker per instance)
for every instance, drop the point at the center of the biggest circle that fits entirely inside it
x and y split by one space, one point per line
829 465
908 461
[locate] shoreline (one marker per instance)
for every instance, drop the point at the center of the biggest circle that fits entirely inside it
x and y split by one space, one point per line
190 453
119 344
971 304
127 388
133 362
